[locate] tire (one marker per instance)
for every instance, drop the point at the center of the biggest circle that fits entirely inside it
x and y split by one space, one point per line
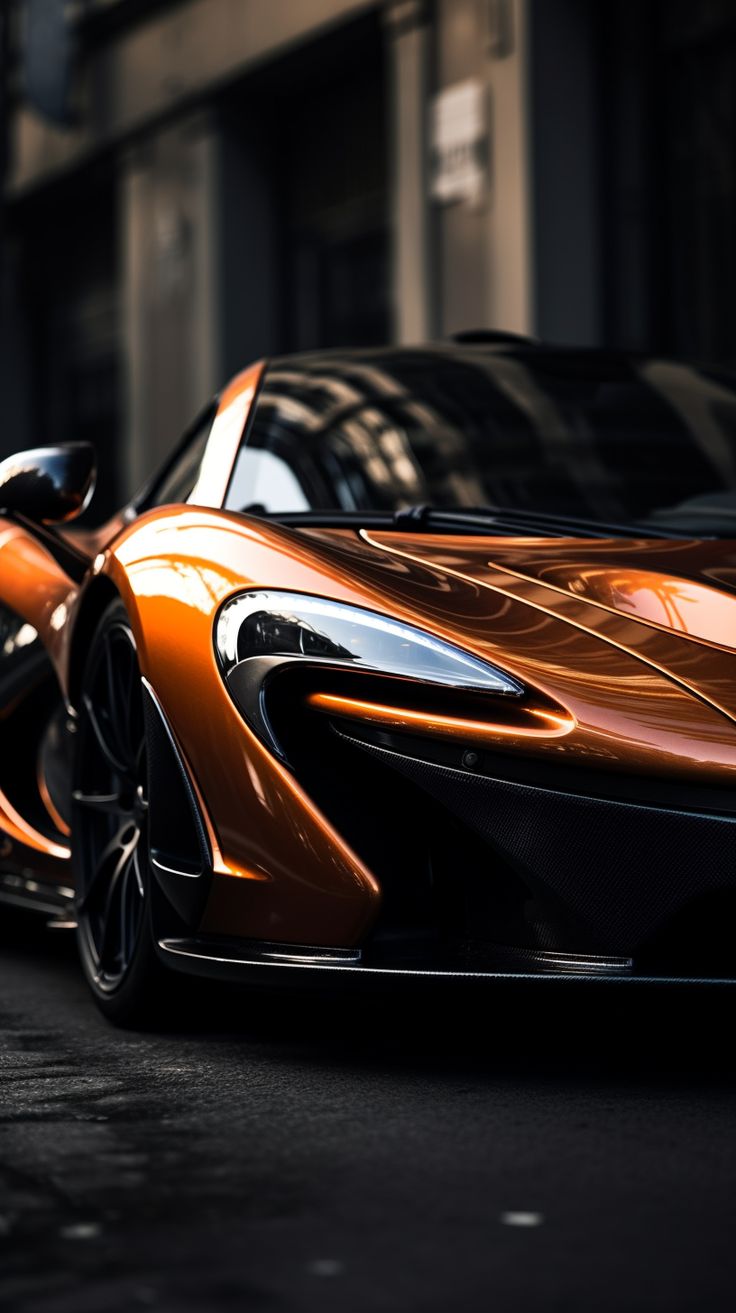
110 831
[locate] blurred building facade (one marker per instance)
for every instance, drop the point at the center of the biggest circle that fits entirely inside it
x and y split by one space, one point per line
193 184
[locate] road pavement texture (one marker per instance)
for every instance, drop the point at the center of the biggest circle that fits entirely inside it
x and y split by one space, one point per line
451 1150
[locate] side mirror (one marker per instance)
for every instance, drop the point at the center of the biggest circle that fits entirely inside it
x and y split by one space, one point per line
49 484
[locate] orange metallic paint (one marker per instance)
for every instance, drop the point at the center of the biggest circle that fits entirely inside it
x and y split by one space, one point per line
631 640
634 697
227 429
547 724
39 591
643 698
681 605
298 879
19 831
35 586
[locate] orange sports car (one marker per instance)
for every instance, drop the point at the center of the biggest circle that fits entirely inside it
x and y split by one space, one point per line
409 660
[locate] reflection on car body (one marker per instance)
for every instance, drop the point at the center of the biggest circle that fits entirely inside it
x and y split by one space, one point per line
412 661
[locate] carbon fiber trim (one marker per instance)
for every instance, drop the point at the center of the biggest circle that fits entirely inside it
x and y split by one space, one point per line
622 869
244 963
178 847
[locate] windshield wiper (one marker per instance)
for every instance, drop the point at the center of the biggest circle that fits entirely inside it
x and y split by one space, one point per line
550 524
476 520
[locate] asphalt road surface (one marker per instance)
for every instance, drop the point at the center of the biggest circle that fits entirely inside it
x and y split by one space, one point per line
441 1152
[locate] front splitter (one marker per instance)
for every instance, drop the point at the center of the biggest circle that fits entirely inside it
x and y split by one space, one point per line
248 962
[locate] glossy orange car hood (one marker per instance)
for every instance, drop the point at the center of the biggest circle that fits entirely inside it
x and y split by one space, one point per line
686 588
672 603
633 641
572 620
636 639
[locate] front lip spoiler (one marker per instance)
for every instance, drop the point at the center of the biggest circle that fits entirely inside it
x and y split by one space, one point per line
250 962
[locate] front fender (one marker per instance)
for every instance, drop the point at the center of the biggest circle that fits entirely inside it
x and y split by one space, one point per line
281 871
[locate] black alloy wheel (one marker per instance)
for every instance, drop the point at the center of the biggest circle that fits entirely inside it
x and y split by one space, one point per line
110 828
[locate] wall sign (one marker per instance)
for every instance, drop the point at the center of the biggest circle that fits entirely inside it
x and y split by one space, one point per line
459 143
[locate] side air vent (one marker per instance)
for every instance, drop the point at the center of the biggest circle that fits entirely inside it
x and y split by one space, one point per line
179 850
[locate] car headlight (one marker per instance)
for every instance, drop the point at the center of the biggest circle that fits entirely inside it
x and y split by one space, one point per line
295 627
261 632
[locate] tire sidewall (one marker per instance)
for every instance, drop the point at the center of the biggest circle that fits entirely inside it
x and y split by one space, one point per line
135 998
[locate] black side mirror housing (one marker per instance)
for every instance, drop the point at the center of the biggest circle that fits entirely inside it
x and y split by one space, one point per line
49 484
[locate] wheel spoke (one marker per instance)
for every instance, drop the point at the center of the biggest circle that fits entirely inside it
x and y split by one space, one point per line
118 707
131 904
116 848
124 934
137 868
108 920
111 810
111 803
108 750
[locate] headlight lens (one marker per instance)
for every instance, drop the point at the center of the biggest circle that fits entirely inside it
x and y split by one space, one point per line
294 626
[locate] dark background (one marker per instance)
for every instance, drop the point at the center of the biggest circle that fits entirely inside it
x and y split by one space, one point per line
189 186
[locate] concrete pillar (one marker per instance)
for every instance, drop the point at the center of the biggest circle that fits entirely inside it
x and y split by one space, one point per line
461 226
509 270
409 45
483 246
168 198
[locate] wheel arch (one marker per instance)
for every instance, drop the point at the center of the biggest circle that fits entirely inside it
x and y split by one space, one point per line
97 596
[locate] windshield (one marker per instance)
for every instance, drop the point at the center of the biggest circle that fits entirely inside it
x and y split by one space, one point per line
582 434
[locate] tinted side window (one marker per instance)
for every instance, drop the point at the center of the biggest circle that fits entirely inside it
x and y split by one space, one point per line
177 482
